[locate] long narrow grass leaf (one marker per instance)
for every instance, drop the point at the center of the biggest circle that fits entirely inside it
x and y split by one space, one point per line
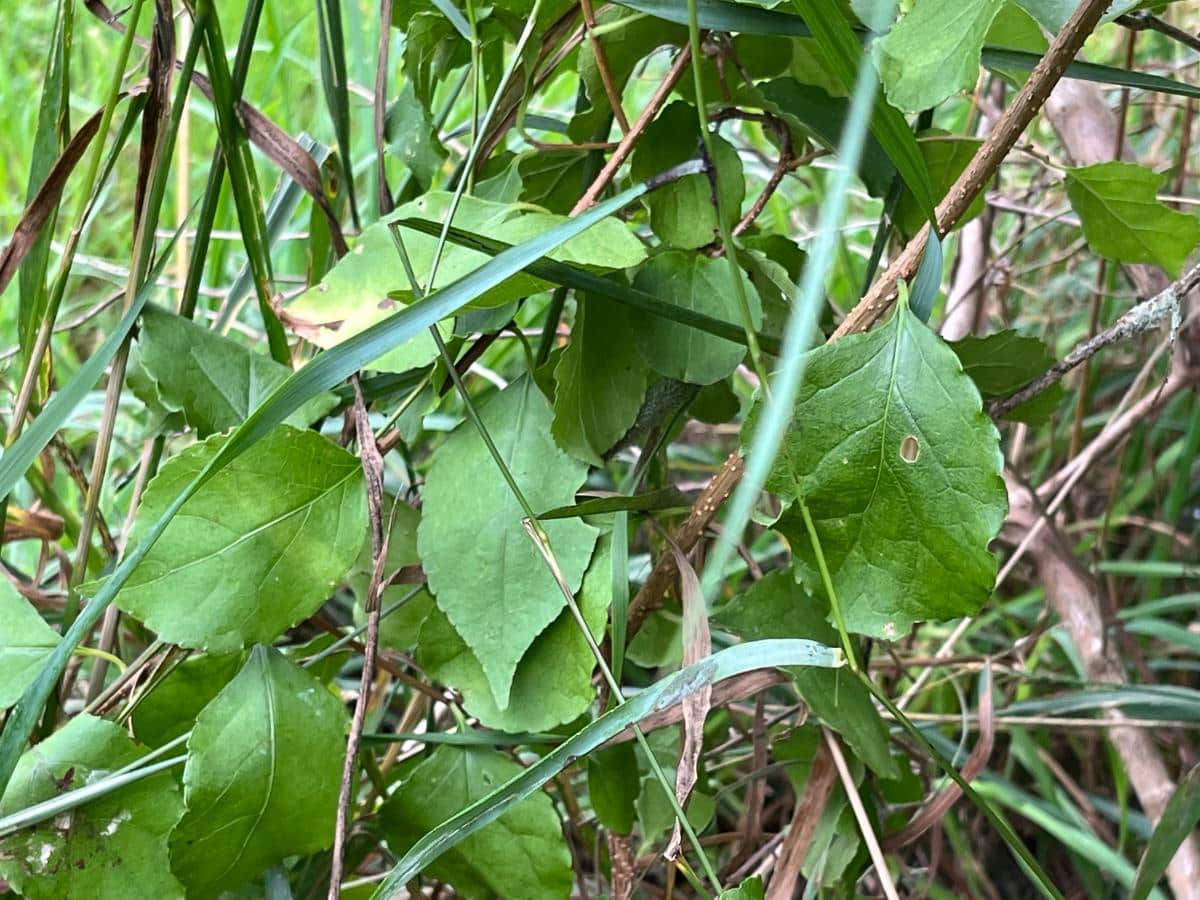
591 284
662 695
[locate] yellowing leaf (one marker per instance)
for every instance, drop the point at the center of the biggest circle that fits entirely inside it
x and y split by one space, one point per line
369 283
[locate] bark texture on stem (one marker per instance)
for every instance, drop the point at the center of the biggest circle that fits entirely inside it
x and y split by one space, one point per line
983 165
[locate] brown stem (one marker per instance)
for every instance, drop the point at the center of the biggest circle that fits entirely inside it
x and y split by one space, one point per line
1145 316
645 117
809 809
372 465
983 165
610 88
379 112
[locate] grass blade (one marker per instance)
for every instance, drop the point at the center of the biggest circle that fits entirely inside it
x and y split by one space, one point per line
50 140
586 282
242 179
337 98
671 690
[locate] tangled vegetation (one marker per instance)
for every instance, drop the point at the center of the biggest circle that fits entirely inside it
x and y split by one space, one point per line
553 448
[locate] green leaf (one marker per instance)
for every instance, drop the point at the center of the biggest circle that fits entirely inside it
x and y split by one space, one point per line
900 469
25 642
412 138
213 380
600 381
484 570
256 550
613 786
1014 29
1123 219
774 607
171 706
694 282
521 854
667 692
1178 821
934 51
552 178
99 850
400 629
432 48
841 47
683 214
750 889
612 288
262 776
553 680
368 284
945 158
1003 362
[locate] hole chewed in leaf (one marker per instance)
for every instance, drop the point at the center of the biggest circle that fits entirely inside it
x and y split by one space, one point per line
910 450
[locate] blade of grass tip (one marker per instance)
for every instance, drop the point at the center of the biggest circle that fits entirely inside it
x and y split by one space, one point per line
53 133
243 181
798 333
662 694
323 373
333 80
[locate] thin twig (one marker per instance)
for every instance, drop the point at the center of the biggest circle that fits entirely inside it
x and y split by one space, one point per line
610 88
1144 21
937 808
860 814
1138 320
372 465
645 117
983 165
